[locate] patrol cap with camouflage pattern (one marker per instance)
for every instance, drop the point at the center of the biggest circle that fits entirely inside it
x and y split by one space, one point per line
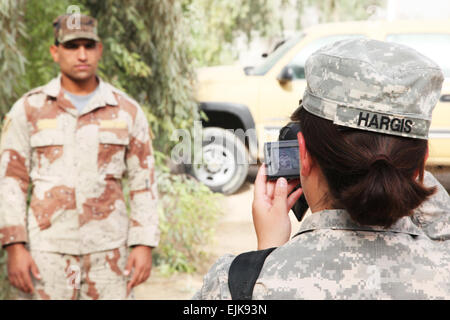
75 26
373 85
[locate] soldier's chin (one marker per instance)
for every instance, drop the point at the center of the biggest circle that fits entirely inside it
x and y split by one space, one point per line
80 76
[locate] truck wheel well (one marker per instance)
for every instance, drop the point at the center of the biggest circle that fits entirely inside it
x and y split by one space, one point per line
238 119
221 119
224 120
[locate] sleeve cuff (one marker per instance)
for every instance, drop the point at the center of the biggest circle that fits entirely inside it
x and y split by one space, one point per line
13 234
144 236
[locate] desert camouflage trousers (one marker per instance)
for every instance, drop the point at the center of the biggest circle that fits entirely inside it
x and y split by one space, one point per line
85 277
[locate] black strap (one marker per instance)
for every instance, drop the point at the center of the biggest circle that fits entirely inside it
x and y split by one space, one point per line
244 271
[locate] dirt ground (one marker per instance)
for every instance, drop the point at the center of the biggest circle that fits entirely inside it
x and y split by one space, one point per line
234 234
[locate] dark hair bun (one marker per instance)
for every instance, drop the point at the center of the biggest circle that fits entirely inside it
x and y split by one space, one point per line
382 196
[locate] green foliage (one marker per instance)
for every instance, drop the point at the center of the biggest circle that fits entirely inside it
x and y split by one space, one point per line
12 66
12 59
5 287
214 25
187 213
39 18
146 54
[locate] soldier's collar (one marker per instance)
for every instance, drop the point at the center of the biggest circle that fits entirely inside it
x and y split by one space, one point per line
53 88
341 220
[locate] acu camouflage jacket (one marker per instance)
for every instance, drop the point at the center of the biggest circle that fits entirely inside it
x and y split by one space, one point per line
332 257
75 164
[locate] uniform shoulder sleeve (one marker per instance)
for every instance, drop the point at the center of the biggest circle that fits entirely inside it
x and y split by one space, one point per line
215 282
15 133
14 175
144 226
433 216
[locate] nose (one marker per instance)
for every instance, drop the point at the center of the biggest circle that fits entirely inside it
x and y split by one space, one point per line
82 53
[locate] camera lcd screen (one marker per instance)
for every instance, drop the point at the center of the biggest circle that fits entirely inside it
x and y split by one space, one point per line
281 158
288 158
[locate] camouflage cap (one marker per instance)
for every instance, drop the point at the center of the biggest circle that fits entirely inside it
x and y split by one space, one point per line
373 85
75 26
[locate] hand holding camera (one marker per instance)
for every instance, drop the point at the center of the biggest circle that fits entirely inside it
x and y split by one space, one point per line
271 204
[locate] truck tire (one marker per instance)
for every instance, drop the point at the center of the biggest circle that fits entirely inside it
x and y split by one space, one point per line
224 165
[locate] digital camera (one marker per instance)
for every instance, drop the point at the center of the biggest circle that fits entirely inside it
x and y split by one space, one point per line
282 160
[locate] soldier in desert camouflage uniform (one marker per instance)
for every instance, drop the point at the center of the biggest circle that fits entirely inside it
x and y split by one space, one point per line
72 141
376 230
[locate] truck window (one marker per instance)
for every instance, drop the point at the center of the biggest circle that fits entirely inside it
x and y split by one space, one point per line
434 46
269 62
298 63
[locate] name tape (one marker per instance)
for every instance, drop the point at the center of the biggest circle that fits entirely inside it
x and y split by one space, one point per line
381 122
113 124
47 124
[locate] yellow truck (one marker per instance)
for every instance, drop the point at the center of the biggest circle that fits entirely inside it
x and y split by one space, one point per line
258 100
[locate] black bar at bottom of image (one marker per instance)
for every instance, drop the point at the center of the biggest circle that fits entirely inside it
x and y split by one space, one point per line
191 309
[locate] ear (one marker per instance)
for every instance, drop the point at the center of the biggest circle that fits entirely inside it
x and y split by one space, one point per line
54 53
305 157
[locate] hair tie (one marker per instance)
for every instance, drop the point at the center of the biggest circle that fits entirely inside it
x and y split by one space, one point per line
379 157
